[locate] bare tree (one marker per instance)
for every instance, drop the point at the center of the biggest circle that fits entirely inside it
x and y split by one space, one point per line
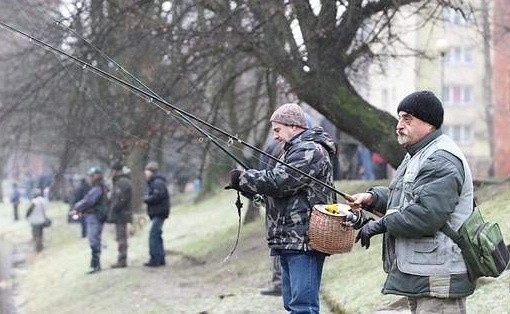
336 36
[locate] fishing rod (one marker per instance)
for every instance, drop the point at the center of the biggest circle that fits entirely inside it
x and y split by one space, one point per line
151 98
156 96
238 203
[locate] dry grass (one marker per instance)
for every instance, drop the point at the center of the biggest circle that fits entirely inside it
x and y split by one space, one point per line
198 237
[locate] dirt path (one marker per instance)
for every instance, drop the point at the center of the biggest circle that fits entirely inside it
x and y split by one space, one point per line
211 286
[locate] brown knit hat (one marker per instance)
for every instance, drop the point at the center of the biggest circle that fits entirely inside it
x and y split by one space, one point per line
290 114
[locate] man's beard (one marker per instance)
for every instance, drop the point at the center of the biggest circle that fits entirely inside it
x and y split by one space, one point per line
402 139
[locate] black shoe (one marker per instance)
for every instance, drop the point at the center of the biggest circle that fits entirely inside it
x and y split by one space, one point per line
154 264
94 270
272 290
119 265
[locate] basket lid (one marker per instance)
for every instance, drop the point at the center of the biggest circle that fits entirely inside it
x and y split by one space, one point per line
342 208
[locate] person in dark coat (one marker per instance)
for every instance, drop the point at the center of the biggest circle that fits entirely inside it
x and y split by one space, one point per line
158 209
289 198
15 200
93 206
120 210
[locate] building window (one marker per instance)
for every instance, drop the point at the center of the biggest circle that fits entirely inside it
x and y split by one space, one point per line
457 95
457 17
460 134
459 55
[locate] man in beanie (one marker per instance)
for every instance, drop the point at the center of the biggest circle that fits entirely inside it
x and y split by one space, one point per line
120 210
432 186
94 206
158 209
289 198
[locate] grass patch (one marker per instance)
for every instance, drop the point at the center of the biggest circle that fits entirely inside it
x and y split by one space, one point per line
198 236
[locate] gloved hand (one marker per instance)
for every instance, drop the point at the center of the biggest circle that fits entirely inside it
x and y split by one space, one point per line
361 221
234 179
369 230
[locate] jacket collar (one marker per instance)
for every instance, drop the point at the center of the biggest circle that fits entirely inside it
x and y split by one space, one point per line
413 149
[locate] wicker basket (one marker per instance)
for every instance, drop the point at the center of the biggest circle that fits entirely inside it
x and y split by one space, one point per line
329 233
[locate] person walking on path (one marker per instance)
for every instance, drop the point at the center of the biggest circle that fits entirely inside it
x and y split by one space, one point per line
432 186
120 210
290 197
94 206
36 216
15 200
157 199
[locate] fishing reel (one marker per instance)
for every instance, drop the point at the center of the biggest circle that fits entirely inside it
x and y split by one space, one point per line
357 219
258 200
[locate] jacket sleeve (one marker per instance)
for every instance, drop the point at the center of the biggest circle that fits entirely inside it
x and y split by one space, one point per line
380 195
282 181
157 192
435 193
89 200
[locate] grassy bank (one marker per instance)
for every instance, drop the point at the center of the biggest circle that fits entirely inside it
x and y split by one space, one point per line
198 237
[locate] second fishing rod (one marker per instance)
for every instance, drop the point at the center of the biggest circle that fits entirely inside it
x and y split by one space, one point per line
151 97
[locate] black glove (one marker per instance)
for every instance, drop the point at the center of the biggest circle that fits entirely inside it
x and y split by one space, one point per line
233 176
369 230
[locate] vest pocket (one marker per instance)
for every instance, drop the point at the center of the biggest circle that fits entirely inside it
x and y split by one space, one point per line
424 252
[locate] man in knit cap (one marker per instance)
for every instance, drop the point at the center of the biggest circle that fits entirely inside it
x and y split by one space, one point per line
289 198
158 209
432 186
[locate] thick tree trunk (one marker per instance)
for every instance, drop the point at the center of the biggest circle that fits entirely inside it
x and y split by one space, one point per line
334 97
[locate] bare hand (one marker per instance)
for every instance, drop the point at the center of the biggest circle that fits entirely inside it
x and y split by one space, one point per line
361 200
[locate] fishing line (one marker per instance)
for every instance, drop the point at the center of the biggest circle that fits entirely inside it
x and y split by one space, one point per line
153 96
105 115
229 142
138 91
128 86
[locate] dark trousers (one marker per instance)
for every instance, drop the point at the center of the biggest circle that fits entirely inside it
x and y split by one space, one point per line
94 231
83 224
37 236
276 279
122 242
156 250
15 206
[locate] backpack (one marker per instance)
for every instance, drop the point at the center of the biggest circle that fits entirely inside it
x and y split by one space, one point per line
482 246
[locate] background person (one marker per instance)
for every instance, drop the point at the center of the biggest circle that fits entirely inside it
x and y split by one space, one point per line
158 209
93 206
15 198
120 210
36 216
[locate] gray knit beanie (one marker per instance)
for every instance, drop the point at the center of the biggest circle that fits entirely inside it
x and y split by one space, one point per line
290 114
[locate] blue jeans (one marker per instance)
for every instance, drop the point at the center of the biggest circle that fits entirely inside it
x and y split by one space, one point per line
156 250
94 231
301 280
